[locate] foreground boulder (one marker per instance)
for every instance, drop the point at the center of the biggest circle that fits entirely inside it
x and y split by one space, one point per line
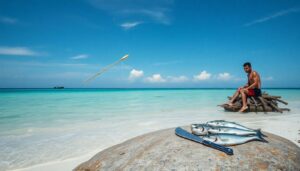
163 150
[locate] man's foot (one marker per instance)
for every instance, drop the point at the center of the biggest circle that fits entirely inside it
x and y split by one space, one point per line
243 109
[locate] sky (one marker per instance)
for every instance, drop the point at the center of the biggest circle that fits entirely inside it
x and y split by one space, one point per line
171 43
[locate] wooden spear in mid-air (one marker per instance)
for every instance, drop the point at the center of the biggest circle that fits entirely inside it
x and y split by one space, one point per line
106 68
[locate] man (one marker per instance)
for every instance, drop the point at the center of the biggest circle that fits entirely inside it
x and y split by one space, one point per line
252 88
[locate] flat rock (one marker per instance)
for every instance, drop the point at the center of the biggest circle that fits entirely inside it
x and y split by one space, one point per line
163 150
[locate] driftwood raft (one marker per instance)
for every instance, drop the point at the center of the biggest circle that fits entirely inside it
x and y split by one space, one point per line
263 103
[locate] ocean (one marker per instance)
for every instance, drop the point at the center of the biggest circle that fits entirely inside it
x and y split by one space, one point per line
45 125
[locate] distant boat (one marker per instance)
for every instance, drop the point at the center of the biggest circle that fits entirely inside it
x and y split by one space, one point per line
58 87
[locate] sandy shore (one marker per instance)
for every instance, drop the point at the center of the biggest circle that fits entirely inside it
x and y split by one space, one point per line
286 125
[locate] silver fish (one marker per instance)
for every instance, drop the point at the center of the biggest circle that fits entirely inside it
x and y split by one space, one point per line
230 139
235 131
200 129
204 129
223 123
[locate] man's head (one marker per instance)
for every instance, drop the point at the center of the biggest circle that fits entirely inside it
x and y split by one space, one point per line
247 67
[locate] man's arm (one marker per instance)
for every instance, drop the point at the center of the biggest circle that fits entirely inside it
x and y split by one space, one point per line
255 78
245 86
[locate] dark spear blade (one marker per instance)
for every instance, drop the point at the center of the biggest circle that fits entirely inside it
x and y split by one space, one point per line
184 134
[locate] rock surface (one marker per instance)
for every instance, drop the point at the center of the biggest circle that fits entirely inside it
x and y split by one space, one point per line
163 150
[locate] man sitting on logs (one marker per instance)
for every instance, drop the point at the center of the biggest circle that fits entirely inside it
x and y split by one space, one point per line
252 88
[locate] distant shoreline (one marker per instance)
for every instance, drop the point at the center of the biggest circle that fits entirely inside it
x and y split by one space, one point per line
268 88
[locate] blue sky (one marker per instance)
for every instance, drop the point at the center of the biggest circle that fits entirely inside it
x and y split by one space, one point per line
171 43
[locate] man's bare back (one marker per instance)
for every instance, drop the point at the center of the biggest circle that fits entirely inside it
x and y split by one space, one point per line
252 77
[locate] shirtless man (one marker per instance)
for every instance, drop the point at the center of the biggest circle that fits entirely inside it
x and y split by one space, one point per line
252 88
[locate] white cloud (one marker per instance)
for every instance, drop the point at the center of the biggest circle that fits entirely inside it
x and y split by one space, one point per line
224 76
129 25
155 78
8 20
157 11
134 74
178 79
159 15
204 75
18 51
273 16
80 56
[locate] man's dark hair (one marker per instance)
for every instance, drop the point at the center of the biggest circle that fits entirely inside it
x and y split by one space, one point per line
247 64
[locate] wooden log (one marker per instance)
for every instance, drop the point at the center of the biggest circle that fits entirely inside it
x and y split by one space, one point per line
269 109
255 103
281 101
274 102
238 104
278 97
263 103
285 109
271 97
274 106
249 101
231 108
277 108
250 109
253 108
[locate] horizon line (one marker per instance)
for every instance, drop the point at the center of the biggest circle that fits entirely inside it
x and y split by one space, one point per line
149 88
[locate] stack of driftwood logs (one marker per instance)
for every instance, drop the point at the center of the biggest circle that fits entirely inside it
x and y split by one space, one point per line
263 103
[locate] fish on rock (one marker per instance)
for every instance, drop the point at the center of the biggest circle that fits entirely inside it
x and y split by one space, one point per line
223 123
204 129
231 139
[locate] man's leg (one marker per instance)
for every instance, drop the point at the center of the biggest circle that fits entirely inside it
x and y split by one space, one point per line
244 93
235 95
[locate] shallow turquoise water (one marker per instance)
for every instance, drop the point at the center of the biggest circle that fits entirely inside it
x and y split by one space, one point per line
42 125
22 108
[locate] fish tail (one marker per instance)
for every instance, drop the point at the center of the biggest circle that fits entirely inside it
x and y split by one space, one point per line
259 132
260 137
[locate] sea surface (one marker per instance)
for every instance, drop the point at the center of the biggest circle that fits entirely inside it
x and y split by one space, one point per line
45 125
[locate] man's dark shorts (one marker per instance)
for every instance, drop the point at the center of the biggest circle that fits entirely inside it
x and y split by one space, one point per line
254 92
